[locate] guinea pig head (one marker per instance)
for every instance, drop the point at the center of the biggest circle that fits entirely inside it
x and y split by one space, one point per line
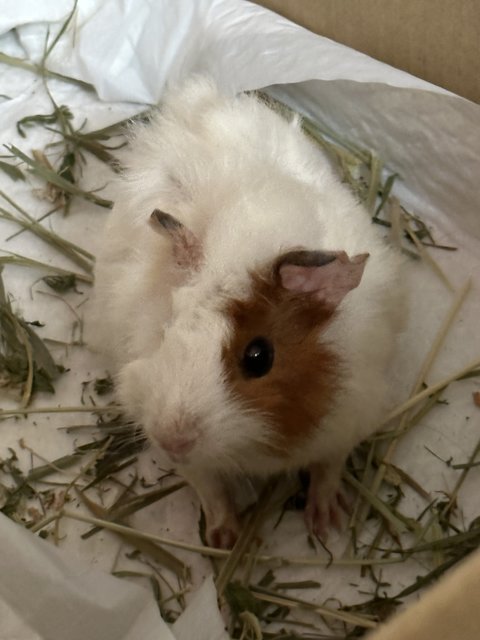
239 382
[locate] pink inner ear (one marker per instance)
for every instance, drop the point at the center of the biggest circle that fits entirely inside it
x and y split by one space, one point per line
187 250
329 282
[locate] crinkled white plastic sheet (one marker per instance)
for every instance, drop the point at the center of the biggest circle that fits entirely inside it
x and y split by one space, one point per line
44 593
129 51
88 604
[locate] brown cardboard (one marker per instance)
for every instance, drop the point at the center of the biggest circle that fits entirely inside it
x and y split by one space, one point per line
437 40
448 611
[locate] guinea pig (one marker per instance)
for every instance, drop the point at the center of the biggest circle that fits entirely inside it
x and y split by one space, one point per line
247 302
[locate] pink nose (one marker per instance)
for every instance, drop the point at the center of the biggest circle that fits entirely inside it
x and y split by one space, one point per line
177 447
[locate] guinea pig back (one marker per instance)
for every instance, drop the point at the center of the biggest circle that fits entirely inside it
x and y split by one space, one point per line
247 301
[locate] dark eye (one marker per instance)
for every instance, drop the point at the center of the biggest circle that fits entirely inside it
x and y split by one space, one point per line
257 358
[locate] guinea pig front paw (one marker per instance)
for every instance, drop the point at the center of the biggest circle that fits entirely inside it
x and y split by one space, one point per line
322 513
223 536
221 522
326 501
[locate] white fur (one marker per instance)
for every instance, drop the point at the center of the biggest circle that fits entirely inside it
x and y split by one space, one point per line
250 186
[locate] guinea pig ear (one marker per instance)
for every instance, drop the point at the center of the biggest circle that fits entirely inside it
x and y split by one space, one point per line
187 250
327 275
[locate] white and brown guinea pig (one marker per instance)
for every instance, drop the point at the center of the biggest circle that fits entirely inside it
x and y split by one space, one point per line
246 300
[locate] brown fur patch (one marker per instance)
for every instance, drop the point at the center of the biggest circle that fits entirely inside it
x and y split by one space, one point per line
297 392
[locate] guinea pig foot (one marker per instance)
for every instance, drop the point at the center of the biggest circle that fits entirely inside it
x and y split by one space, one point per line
222 537
326 503
218 506
323 513
222 529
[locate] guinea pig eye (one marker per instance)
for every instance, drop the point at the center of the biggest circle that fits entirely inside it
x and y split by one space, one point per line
257 358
